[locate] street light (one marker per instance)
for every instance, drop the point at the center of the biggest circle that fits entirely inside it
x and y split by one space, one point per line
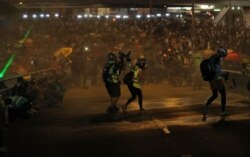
34 16
25 16
138 16
56 15
79 16
158 15
118 16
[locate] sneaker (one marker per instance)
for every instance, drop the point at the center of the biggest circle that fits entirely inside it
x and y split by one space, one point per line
224 114
110 109
124 109
142 110
116 109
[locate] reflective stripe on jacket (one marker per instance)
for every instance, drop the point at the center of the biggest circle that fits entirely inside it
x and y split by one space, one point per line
114 73
137 77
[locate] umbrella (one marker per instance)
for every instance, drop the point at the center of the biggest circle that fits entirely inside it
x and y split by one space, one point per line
65 52
232 56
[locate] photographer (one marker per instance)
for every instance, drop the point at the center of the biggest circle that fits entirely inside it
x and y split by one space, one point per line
111 74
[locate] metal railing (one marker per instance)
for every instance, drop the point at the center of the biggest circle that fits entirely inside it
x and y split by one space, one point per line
28 74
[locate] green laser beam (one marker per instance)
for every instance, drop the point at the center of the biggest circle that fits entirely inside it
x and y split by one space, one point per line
25 37
11 59
7 65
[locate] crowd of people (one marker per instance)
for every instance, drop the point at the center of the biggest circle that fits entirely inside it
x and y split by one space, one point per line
166 43
163 49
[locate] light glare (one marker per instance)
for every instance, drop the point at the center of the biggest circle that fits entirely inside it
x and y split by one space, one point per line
118 16
158 15
79 16
56 15
25 16
125 17
34 16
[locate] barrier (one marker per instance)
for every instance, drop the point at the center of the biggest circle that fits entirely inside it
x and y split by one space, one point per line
4 120
2 123
29 74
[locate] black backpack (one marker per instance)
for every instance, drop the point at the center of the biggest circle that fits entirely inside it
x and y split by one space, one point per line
207 70
128 78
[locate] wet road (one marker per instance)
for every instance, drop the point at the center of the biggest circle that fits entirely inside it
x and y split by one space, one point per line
171 127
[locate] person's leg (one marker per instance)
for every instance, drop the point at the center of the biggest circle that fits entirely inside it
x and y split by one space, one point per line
112 107
140 100
212 98
116 95
214 89
222 91
133 95
114 101
109 90
209 101
132 98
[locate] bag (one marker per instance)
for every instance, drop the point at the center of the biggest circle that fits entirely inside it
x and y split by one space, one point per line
207 70
105 72
18 101
128 78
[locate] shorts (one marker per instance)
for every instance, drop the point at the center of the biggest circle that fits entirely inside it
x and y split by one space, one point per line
113 89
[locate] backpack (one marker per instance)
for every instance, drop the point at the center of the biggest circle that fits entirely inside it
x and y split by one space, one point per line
207 70
128 78
105 72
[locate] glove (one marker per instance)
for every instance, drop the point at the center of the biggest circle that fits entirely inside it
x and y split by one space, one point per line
128 59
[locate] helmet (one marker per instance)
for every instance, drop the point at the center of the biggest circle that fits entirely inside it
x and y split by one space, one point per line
141 62
222 52
111 56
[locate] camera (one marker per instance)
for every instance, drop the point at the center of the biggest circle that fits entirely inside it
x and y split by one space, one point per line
125 56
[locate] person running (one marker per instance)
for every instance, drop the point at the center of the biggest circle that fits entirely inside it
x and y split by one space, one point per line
135 87
217 83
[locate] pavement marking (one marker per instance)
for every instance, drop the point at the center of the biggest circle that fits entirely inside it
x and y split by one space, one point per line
165 129
158 123
195 120
161 125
